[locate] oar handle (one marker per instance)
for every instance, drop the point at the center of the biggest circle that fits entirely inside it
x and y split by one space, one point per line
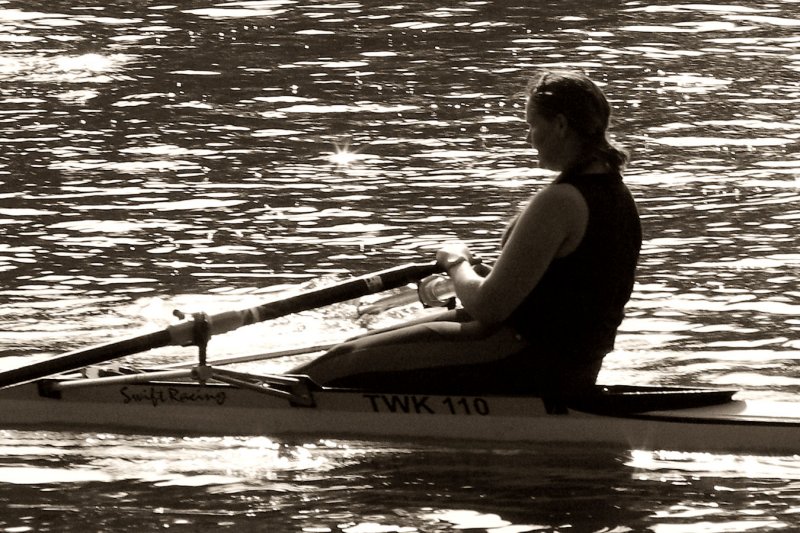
355 288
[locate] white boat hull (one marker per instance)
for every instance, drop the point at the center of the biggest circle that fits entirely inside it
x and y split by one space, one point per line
187 408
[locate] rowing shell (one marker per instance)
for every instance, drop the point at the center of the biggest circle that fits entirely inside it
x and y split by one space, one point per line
634 417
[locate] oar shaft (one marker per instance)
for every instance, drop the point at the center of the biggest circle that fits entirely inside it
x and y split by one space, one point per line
85 357
255 357
184 332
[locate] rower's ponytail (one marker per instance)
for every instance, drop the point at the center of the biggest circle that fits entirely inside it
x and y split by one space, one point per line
612 153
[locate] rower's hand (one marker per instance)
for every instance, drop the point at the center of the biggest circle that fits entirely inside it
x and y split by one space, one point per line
451 254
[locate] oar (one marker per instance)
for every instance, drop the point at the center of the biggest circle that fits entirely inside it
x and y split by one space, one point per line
434 291
254 357
186 333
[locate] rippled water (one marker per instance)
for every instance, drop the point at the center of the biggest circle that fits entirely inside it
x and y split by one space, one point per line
199 155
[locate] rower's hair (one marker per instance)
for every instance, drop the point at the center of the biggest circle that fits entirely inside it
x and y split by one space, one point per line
586 109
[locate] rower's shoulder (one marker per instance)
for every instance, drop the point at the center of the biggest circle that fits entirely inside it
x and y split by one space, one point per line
558 197
558 210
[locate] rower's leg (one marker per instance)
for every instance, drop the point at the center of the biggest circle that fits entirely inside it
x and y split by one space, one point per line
450 315
435 347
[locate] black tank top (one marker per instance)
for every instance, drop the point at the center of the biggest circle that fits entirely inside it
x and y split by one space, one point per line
574 311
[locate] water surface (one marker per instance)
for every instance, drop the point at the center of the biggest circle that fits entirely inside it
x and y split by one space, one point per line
200 155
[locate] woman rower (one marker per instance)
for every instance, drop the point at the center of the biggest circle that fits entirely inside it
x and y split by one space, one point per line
544 317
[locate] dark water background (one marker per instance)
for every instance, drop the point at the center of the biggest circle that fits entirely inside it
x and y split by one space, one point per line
201 155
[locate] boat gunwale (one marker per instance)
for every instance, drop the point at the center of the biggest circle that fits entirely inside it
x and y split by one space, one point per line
605 401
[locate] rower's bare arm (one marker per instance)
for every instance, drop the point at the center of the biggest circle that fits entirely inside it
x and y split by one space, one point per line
552 225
